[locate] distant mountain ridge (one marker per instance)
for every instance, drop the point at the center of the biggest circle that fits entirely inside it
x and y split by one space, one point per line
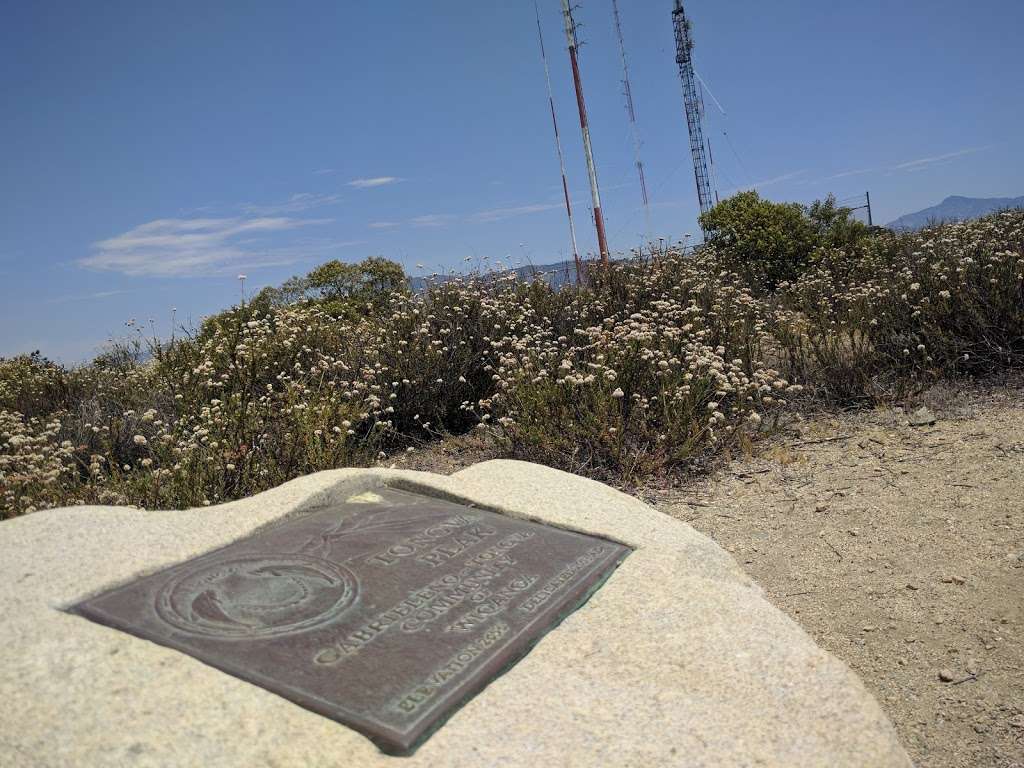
557 275
956 208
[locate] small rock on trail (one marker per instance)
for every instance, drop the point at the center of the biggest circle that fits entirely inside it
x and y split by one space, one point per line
922 417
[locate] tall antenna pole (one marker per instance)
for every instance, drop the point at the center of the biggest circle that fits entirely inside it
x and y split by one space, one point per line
558 146
595 192
628 93
691 100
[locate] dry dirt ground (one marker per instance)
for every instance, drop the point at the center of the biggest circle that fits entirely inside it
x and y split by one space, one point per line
899 548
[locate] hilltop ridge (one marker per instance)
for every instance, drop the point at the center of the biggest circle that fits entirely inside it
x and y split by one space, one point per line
955 208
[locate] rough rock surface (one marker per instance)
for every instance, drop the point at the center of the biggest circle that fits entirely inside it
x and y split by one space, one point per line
677 660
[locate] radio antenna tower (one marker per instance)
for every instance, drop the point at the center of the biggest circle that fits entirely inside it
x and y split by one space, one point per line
627 91
631 111
693 104
558 146
595 192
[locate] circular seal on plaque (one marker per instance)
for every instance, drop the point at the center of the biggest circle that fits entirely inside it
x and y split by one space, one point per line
257 596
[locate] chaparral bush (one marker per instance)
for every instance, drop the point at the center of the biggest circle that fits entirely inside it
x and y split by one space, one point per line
768 243
764 241
656 366
899 311
648 365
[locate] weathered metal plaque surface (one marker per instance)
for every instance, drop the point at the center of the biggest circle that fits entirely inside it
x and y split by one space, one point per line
385 613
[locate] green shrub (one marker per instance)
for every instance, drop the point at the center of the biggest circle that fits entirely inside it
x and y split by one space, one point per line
344 290
770 243
834 225
765 242
33 385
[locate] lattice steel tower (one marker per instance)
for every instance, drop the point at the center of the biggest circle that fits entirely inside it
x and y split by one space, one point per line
694 106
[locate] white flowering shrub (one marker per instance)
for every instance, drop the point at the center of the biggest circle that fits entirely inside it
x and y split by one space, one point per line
33 385
36 467
658 366
902 311
650 365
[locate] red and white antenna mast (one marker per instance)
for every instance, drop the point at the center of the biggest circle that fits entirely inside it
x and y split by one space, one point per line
595 192
558 146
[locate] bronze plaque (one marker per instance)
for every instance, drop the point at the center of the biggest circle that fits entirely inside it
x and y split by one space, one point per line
385 613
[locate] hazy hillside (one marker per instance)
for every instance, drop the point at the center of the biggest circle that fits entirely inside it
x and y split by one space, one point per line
556 275
956 208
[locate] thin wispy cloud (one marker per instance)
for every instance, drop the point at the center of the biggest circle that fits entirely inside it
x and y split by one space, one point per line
854 172
324 172
376 181
480 217
500 214
86 297
777 179
433 220
189 247
297 203
919 164
925 162
307 248
792 175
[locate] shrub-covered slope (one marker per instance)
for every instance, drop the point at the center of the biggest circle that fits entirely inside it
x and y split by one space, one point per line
654 364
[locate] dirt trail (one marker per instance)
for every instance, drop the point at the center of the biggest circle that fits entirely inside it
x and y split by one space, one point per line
900 549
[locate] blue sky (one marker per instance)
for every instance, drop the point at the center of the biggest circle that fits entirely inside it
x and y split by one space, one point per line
151 152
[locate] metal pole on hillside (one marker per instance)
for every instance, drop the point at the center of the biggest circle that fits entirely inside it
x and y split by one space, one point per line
595 193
